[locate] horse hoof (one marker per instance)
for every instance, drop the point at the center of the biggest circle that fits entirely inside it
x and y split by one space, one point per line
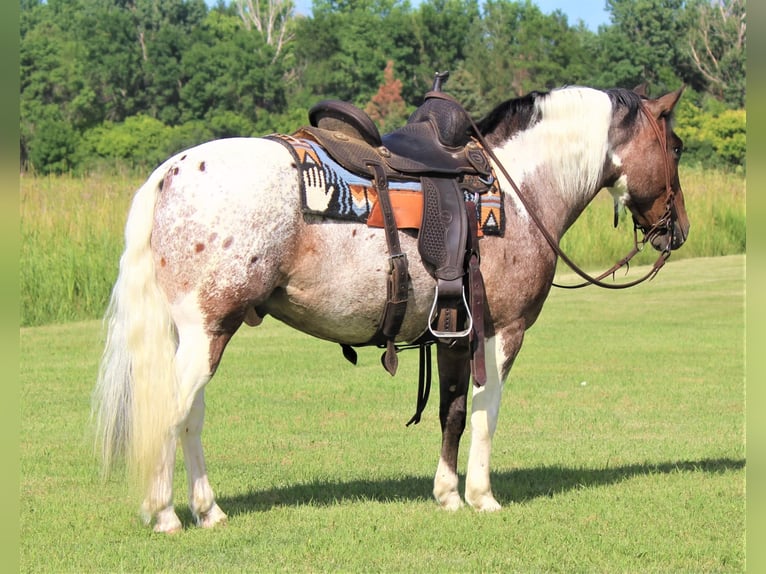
167 522
213 517
451 502
484 503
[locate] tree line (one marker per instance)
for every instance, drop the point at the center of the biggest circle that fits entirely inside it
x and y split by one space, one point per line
129 82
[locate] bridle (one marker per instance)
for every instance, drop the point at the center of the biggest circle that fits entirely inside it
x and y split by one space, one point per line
663 225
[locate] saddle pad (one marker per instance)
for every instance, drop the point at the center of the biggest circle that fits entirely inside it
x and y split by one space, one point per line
329 190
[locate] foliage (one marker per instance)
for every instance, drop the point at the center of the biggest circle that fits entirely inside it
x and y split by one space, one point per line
230 70
515 48
138 138
53 149
344 48
716 44
441 29
713 135
642 45
387 108
243 67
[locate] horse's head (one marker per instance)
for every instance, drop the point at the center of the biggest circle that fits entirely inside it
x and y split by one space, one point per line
644 173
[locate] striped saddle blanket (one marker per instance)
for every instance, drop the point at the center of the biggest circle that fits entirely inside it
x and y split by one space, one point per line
330 190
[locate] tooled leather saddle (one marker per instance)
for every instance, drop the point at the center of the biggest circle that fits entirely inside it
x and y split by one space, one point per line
435 147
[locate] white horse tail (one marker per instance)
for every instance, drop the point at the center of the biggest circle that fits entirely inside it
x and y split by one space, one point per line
134 402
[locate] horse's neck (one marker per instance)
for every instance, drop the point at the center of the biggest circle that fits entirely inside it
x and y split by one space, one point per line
560 158
550 184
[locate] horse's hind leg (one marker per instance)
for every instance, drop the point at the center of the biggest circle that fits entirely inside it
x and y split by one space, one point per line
196 359
201 498
454 376
158 504
198 356
192 373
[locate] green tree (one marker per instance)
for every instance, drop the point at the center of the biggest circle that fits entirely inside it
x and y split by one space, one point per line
53 95
716 45
516 49
441 28
342 50
229 71
643 44
110 59
54 145
165 31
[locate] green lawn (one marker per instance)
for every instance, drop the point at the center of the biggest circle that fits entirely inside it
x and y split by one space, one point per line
620 448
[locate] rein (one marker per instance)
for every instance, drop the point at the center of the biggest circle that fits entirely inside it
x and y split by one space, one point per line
665 223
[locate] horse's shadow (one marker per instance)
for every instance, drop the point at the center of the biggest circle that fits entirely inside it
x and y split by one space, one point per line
512 486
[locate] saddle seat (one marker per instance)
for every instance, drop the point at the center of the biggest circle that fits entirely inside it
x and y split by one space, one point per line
436 140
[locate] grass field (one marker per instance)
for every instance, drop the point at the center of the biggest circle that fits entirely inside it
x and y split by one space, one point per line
620 448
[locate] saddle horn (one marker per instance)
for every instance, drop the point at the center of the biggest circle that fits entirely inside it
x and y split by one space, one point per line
439 79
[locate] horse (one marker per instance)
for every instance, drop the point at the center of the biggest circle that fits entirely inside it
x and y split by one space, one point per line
216 237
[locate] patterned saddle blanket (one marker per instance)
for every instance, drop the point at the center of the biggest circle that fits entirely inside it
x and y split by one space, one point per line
330 190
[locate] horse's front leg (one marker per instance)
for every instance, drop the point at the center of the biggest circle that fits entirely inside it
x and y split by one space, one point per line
500 351
454 376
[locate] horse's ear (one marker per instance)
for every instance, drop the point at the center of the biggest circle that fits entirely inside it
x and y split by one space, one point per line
664 105
642 90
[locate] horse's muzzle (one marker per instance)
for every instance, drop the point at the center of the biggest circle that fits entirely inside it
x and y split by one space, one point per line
671 237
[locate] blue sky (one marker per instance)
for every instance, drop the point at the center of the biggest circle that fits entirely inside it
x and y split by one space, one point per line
591 12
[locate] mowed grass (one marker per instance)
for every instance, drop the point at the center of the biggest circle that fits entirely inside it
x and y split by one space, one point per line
620 448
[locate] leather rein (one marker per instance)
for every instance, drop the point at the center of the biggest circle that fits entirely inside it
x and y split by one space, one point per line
663 225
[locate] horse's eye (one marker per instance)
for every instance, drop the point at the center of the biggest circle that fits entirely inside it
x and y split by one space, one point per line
678 150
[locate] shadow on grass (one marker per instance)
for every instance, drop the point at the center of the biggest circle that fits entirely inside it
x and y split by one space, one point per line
517 486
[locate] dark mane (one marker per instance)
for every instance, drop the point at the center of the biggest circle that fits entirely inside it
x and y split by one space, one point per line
626 99
509 117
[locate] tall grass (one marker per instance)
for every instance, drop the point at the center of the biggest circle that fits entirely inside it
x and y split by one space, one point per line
71 240
71 236
715 204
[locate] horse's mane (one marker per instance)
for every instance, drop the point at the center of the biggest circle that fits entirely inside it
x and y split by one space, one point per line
627 99
540 123
518 114
509 117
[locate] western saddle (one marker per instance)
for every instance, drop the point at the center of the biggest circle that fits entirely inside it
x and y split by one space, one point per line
436 148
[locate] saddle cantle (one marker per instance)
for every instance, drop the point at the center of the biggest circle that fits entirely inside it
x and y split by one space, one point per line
436 148
435 141
343 117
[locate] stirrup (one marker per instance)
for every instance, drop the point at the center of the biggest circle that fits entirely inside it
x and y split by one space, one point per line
449 334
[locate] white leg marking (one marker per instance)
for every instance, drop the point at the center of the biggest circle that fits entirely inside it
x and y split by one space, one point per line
158 503
193 372
485 405
193 365
201 498
445 487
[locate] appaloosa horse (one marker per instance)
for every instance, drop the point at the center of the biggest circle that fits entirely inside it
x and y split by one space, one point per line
217 237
